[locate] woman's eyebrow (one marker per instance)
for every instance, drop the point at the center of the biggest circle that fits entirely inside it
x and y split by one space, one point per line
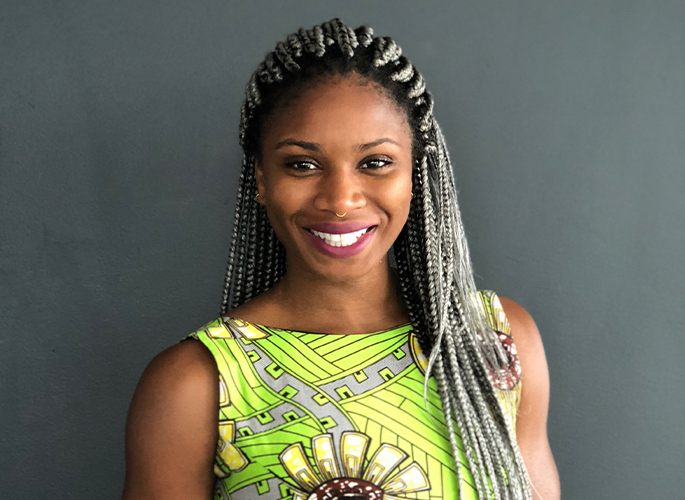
369 145
310 146
315 146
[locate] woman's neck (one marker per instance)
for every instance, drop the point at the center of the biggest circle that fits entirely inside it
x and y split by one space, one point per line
304 301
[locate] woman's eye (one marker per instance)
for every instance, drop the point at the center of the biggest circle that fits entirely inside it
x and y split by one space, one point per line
302 166
376 163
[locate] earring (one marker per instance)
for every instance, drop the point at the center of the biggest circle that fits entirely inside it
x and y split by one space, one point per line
256 197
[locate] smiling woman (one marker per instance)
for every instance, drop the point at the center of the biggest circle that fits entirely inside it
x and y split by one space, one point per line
331 374
335 177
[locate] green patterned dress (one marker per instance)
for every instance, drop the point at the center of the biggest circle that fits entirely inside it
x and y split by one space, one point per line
306 416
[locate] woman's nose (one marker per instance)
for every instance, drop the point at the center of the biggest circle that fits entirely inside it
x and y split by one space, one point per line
340 191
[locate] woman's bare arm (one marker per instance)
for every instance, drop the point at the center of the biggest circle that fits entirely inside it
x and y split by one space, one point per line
172 427
531 424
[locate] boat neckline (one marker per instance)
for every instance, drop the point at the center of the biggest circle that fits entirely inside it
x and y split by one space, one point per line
265 327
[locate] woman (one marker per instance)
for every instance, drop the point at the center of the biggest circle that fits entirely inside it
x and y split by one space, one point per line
344 163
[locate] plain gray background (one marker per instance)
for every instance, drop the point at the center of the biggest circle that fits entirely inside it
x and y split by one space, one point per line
118 161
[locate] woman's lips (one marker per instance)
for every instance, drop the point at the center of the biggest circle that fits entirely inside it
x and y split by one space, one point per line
332 233
339 227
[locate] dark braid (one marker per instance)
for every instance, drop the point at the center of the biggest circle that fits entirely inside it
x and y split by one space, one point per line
433 263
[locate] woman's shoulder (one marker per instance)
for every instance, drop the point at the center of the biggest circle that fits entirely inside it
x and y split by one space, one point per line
177 396
531 353
506 316
182 372
523 331
522 326
184 359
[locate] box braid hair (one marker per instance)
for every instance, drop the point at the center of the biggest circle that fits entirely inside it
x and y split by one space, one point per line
433 263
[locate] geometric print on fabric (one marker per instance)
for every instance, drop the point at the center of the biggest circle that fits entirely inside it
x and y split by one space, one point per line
307 416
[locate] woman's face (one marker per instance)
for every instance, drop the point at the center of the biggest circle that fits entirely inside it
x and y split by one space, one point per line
343 147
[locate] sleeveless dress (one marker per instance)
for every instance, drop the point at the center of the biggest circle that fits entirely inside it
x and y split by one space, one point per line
307 416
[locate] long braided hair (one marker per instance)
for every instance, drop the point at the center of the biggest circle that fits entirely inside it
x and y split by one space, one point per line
433 263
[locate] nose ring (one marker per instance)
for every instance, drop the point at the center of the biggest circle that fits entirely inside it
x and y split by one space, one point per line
340 215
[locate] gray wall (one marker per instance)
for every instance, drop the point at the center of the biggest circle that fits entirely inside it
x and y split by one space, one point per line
118 158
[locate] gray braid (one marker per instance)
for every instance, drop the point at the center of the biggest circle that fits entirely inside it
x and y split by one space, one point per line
433 263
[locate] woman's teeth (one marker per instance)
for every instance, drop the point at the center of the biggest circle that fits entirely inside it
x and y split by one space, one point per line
340 240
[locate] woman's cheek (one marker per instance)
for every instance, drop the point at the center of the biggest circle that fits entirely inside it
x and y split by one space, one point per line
399 193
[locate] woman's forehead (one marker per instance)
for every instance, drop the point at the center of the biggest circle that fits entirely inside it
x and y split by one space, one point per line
339 109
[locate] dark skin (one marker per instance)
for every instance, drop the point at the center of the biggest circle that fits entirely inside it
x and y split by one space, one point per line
342 147
313 167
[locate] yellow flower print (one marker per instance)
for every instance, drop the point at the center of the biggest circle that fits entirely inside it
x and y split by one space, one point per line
345 476
229 458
